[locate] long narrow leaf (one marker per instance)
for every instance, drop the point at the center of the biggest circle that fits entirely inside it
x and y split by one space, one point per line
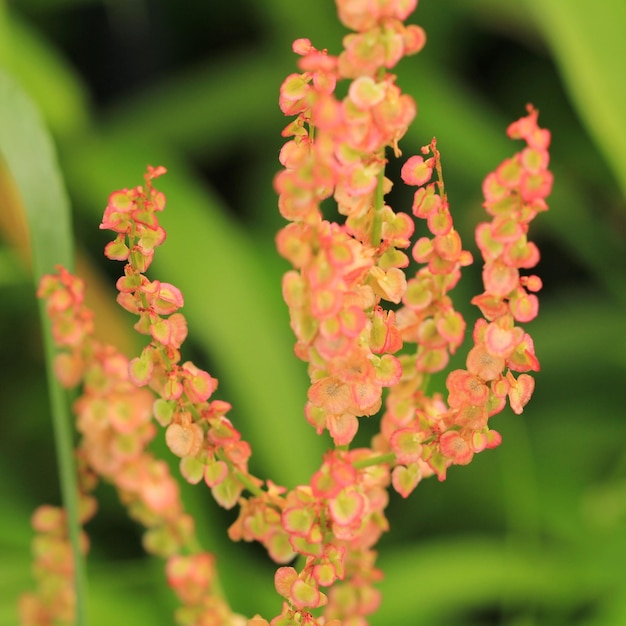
28 154
44 75
587 39
430 584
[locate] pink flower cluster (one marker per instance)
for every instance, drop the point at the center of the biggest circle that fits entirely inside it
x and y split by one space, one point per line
114 419
53 568
198 432
360 324
331 524
426 434
341 273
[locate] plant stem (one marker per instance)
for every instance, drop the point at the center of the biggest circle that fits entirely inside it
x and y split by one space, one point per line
64 446
377 222
376 460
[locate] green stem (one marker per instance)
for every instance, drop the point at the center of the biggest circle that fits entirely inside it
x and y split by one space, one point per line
246 482
377 221
389 457
64 445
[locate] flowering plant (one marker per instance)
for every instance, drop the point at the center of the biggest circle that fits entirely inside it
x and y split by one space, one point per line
371 334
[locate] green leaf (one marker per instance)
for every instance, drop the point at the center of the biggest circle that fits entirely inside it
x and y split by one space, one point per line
28 155
429 584
210 109
44 75
11 273
587 40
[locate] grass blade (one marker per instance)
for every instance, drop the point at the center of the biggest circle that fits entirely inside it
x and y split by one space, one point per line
28 154
588 44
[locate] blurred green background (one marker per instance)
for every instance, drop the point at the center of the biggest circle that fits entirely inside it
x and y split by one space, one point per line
533 533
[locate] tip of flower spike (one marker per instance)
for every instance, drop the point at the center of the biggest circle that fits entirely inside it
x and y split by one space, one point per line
526 128
362 15
302 46
155 172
